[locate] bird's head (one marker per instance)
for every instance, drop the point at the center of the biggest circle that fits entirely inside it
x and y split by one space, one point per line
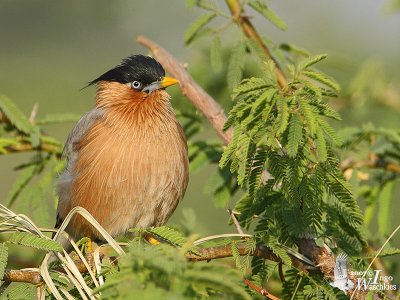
137 77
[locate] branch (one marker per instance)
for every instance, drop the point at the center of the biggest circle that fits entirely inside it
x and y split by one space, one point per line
248 29
196 94
373 162
27 147
259 290
206 254
34 277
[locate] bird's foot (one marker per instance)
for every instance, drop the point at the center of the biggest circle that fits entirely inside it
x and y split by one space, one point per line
151 239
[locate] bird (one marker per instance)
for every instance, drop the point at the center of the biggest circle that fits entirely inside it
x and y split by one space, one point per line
127 158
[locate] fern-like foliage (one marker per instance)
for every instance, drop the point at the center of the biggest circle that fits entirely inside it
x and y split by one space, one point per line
286 132
162 272
34 241
3 259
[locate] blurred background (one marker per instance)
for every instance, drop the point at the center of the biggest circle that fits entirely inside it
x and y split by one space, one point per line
49 50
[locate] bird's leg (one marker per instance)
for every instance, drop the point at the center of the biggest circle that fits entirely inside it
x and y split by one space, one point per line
151 239
89 246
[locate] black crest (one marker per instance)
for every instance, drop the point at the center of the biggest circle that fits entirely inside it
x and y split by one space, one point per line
136 67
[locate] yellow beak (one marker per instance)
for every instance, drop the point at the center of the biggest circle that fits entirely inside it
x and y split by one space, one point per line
168 81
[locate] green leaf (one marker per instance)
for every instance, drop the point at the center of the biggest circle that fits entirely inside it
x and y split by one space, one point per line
294 49
218 179
24 178
264 10
385 208
198 162
321 145
283 115
169 234
295 135
19 291
35 136
216 54
34 241
191 3
16 117
230 149
385 252
256 169
58 118
3 259
197 25
312 60
7 142
222 196
235 65
330 132
318 76
249 85
308 114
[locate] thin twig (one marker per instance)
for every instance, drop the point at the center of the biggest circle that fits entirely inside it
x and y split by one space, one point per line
249 30
235 221
373 260
33 114
260 290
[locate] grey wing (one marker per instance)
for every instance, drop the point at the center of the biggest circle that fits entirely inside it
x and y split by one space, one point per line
80 129
70 152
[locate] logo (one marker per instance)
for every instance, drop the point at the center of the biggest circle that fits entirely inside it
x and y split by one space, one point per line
372 280
341 280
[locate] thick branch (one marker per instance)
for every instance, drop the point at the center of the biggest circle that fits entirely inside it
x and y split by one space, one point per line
35 278
196 94
248 29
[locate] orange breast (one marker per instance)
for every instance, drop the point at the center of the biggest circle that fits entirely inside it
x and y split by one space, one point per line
128 172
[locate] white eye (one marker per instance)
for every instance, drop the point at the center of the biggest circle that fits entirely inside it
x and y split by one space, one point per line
136 85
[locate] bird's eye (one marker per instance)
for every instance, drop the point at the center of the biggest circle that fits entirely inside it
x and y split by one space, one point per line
136 85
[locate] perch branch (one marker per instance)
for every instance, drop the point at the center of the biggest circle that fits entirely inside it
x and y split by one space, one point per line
248 29
196 94
34 277
204 254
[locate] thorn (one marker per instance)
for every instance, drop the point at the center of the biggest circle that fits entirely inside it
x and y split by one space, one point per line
33 114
